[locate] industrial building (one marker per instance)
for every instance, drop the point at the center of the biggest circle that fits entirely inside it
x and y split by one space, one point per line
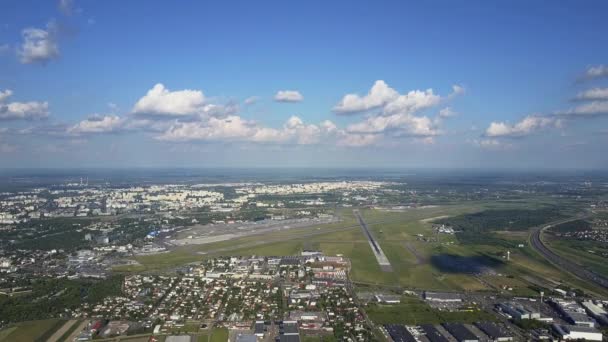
597 312
460 332
518 311
246 338
388 299
432 334
573 332
445 297
495 332
399 333
573 313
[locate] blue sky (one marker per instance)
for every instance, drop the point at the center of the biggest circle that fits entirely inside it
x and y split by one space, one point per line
475 84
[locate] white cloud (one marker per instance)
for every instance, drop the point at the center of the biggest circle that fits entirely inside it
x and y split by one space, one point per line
593 94
235 128
447 112
251 100
400 124
5 94
21 110
288 96
587 109
412 102
160 101
39 46
597 71
526 126
396 114
457 90
98 124
379 95
357 140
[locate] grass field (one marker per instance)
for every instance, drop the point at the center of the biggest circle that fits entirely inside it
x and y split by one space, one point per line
413 311
219 335
585 253
31 330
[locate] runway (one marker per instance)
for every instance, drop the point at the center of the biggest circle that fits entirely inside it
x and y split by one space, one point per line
385 265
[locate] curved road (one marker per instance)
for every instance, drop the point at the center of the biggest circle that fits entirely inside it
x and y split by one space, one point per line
565 264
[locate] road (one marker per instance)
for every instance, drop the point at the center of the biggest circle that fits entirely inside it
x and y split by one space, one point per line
577 270
385 265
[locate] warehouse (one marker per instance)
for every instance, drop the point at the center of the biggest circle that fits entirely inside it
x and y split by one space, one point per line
432 334
518 311
445 297
460 332
399 333
573 332
496 332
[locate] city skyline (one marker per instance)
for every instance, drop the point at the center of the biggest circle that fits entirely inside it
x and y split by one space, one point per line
390 85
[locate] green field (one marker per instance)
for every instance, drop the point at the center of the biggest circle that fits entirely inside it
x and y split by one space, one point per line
30 330
411 245
219 335
413 311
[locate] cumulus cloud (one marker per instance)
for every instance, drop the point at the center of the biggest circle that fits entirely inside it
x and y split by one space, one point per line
39 45
288 96
235 128
593 94
160 101
402 124
597 71
526 126
21 110
379 95
396 114
98 124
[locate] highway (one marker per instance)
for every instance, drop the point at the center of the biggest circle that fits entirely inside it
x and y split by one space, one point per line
577 270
